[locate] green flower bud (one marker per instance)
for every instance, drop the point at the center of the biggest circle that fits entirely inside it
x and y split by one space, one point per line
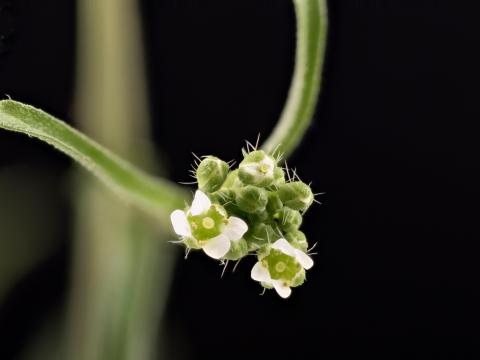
297 239
238 249
296 195
274 204
279 175
211 174
257 168
232 181
288 219
259 235
223 196
251 199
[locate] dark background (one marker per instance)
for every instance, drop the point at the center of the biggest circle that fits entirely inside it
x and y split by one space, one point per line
394 145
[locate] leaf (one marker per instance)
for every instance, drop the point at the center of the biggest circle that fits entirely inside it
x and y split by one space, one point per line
154 195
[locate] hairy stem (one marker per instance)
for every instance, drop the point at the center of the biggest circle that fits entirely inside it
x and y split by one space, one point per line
303 94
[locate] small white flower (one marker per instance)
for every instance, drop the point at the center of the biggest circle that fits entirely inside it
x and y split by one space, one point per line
261 169
262 271
229 229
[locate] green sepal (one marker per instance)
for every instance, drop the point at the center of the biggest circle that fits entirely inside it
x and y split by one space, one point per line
259 236
191 243
211 174
279 175
296 195
222 196
288 219
297 239
238 249
274 204
251 199
232 181
298 279
266 286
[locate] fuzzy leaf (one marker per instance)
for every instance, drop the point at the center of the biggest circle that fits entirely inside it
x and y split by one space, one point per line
138 188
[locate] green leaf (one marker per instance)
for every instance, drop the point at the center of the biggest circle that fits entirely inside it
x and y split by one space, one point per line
136 187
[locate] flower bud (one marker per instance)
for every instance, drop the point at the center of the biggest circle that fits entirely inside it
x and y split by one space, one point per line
259 235
238 249
257 168
279 175
251 199
297 239
274 204
223 196
288 219
296 195
211 174
232 181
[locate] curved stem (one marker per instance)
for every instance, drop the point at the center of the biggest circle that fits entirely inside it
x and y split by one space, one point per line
303 94
151 194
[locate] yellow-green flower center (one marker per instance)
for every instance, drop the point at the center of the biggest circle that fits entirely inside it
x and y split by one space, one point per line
208 223
263 168
280 266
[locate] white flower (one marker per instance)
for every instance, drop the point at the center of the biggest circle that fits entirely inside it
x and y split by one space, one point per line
261 169
226 229
274 266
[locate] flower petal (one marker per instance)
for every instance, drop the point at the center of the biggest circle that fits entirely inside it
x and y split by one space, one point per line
180 223
283 290
304 260
284 246
251 169
217 247
201 203
260 273
235 228
270 164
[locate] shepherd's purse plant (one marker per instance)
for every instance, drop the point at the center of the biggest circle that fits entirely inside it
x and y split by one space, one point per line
256 208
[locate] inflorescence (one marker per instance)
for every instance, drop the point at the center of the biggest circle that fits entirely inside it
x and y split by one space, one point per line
257 208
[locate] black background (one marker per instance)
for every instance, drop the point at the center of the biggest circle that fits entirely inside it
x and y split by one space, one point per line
394 145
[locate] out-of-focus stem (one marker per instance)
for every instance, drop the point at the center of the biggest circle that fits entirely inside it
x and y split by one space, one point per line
122 262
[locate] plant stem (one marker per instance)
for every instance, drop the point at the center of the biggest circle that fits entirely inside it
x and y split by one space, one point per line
122 260
303 94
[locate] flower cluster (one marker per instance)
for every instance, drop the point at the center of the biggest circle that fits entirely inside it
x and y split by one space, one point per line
257 208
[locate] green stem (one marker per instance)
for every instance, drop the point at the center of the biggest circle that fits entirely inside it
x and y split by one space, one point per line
303 94
154 195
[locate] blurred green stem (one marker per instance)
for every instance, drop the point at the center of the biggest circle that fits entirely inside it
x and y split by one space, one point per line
121 265
302 98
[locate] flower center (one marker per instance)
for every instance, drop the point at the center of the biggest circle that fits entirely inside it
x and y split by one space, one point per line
263 168
280 266
208 223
